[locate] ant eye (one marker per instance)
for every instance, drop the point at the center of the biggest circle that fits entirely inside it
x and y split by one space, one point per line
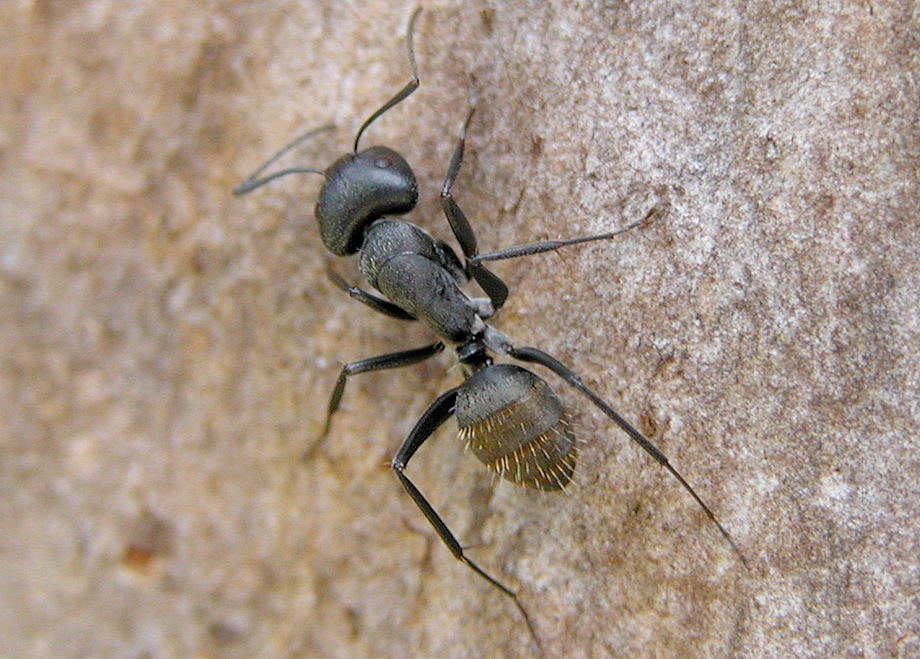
383 162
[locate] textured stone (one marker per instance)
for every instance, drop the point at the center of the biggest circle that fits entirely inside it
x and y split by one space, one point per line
169 349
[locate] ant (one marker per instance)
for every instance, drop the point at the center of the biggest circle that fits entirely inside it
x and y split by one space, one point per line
510 418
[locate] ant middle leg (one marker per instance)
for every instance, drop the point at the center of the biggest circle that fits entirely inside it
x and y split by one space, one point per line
494 287
552 245
379 363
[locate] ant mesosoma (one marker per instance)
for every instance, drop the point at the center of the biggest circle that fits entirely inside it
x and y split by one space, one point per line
509 417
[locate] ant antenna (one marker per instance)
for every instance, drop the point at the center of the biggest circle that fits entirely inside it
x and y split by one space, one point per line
253 181
405 91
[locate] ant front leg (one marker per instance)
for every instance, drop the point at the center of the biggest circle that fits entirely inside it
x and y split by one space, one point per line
431 420
491 283
494 287
379 363
378 304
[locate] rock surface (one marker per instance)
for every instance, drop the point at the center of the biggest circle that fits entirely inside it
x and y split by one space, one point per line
169 349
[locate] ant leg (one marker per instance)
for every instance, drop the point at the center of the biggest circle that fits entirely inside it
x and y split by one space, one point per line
539 357
431 419
463 232
379 363
403 93
491 283
253 181
376 303
553 245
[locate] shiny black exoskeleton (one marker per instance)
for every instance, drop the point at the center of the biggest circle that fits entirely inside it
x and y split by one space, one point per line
510 418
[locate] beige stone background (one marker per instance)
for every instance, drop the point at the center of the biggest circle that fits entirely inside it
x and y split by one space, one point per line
168 349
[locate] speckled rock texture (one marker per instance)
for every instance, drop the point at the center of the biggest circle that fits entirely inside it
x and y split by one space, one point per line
169 349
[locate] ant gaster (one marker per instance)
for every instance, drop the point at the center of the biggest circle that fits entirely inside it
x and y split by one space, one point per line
508 416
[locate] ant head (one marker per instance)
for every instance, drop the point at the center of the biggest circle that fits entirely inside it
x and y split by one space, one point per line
360 188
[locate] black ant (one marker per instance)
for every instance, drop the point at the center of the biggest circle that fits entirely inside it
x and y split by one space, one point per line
509 417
